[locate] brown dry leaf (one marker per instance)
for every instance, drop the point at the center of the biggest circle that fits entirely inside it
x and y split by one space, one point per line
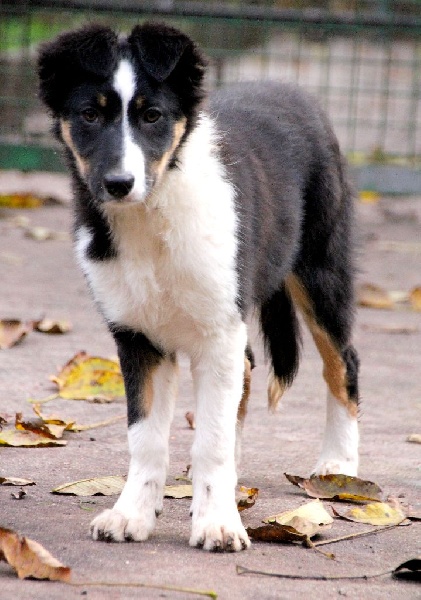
415 438
12 331
410 569
312 511
20 201
96 486
373 296
91 378
30 559
18 495
178 491
190 420
415 298
274 532
338 487
247 499
50 429
377 513
16 481
52 327
27 439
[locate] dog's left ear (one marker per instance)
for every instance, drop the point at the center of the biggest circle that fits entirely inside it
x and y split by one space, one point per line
169 55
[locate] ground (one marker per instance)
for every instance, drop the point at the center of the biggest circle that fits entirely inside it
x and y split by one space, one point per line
41 278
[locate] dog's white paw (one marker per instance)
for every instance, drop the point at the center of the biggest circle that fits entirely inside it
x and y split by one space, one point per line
113 526
332 466
219 533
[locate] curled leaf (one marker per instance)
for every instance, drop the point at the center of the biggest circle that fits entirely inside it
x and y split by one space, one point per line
30 559
377 513
338 487
16 481
313 511
52 327
247 499
12 331
410 569
92 378
96 486
190 420
274 532
415 438
39 426
373 296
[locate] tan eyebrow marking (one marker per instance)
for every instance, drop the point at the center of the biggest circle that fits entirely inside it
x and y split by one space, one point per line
102 100
139 101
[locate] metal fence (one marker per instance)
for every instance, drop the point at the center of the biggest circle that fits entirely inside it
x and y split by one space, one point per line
361 58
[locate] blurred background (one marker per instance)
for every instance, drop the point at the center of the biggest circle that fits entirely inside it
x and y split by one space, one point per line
361 58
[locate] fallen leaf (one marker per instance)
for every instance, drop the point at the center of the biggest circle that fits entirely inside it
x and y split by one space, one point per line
52 327
369 196
247 498
377 513
96 486
415 298
18 495
91 378
274 532
390 328
12 331
43 234
30 559
178 491
20 201
29 439
338 487
373 296
190 420
410 569
16 481
313 511
415 438
39 426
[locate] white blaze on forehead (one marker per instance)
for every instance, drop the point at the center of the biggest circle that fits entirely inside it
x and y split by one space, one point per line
132 159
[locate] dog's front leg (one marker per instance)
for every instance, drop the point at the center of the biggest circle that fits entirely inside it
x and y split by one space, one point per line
218 380
151 385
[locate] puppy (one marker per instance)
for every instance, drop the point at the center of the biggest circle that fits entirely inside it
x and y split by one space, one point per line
190 212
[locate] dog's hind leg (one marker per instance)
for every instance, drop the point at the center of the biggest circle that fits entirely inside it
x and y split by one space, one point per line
328 314
151 386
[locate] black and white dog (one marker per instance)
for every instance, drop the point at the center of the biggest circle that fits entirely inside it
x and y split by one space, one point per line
189 213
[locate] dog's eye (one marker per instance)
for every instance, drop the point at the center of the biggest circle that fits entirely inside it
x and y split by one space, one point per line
90 115
152 115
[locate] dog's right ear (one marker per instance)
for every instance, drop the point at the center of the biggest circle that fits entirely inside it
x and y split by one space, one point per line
89 53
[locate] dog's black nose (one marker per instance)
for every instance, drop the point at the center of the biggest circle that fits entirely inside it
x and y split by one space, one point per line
118 185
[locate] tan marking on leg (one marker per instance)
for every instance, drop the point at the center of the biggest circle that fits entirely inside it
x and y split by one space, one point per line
276 389
334 370
242 409
82 164
158 167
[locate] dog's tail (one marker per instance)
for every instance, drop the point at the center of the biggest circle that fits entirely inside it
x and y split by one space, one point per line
282 340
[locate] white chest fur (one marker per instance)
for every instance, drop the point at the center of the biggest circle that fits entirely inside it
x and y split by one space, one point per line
174 278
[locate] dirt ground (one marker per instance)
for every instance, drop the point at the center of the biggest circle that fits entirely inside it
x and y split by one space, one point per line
41 278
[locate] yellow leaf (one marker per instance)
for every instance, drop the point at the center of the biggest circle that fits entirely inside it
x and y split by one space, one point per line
28 439
96 486
378 513
373 296
313 511
92 378
415 298
51 326
338 487
247 499
369 196
20 201
30 559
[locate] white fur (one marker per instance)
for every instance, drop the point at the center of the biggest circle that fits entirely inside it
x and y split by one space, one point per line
133 160
174 279
340 444
134 514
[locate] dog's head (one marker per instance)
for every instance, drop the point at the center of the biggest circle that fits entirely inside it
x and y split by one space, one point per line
122 106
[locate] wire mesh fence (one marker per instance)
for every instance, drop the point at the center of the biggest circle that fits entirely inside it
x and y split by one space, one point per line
361 58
